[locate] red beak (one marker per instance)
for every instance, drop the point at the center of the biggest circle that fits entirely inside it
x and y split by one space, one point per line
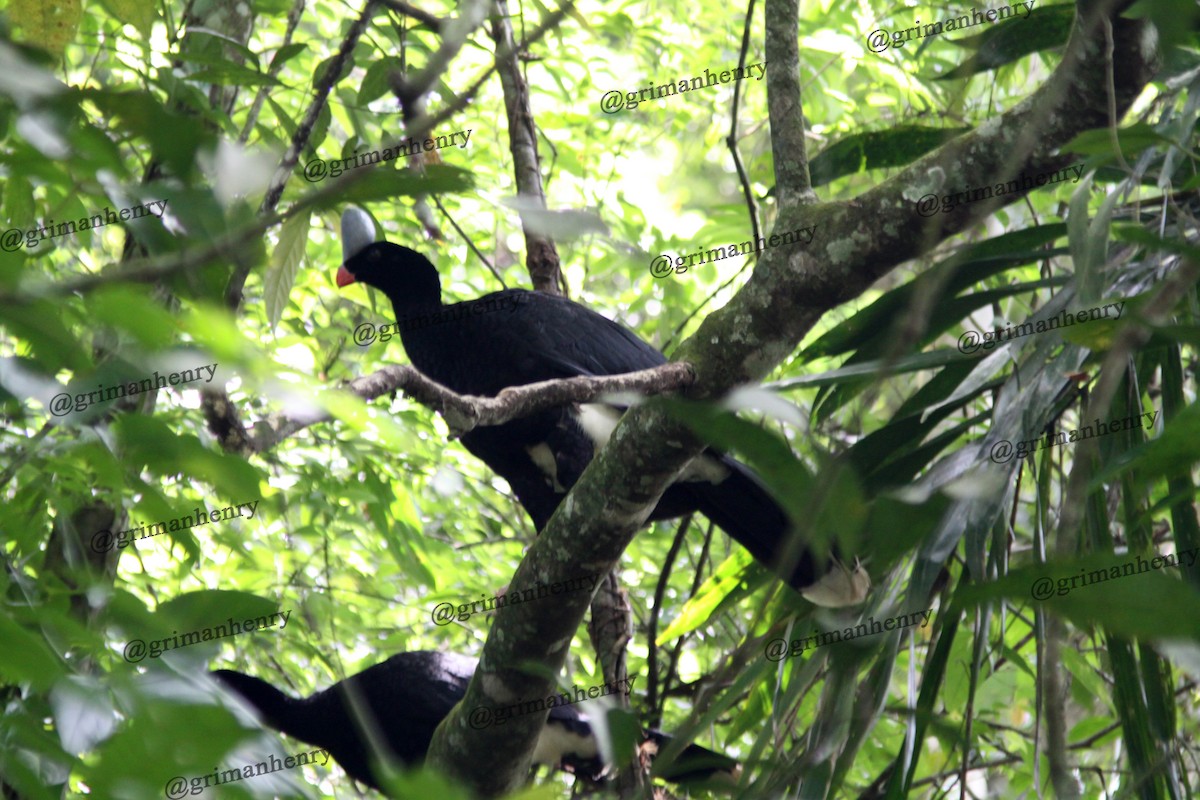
344 278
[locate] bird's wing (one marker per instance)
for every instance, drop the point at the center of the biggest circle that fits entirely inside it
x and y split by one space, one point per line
524 337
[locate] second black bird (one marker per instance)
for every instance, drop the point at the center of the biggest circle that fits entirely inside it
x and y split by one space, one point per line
401 701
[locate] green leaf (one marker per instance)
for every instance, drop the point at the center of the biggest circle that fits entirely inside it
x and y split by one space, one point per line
196 610
42 327
50 26
18 202
287 53
893 147
1174 453
699 609
285 263
375 82
1047 28
169 741
385 183
1124 595
173 138
26 658
233 75
1132 140
324 66
164 452
131 308
138 13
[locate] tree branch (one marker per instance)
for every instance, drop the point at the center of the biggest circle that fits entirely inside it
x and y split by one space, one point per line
541 256
785 106
463 413
293 19
409 10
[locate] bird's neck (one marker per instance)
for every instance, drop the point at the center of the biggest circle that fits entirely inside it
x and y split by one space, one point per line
411 306
416 311
280 711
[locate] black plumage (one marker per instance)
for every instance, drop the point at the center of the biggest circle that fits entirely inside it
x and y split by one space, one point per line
515 337
404 699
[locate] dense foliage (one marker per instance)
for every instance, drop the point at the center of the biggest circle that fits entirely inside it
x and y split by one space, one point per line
885 428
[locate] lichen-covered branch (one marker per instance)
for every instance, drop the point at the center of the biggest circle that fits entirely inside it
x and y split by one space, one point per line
466 412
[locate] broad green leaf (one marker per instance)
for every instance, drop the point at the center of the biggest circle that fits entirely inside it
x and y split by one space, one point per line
233 75
285 263
138 13
1123 595
26 656
164 452
50 26
385 182
1006 41
375 82
132 309
892 147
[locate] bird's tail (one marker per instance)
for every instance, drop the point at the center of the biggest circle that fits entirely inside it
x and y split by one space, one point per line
694 764
741 506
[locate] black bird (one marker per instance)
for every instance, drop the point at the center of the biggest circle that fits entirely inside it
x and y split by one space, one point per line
515 337
403 700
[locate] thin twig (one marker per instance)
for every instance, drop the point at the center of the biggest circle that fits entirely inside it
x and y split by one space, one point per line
321 94
470 243
293 19
747 191
660 591
408 10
